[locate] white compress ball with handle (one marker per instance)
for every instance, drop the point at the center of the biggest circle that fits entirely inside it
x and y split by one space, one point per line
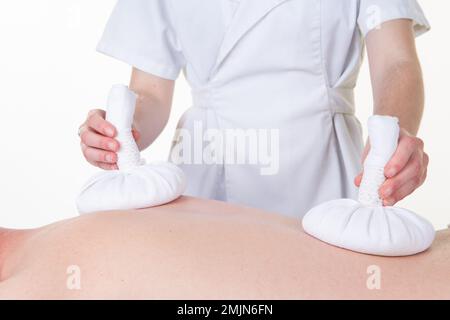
366 225
136 184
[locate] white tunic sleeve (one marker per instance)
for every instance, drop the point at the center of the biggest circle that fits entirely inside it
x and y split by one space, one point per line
140 34
372 13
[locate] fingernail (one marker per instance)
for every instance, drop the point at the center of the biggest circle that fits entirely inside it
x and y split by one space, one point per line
109 158
109 132
387 192
389 202
391 172
112 146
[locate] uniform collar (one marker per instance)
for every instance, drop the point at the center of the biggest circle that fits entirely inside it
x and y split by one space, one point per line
248 14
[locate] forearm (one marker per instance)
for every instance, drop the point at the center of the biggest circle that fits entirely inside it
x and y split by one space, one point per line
152 107
396 74
399 91
150 119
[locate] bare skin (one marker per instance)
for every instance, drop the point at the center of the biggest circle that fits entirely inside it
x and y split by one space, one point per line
202 249
398 90
154 102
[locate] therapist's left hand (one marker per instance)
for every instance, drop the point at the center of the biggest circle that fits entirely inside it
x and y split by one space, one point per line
405 172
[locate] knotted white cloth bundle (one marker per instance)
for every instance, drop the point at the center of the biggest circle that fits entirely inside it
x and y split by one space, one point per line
366 225
135 185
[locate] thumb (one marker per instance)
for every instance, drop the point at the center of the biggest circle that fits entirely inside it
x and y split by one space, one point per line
358 179
136 134
366 150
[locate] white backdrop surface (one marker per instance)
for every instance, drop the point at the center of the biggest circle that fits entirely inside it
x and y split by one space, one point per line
51 75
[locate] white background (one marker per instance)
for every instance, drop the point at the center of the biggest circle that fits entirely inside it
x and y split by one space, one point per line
50 76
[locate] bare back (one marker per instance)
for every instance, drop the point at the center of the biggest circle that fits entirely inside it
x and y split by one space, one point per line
202 249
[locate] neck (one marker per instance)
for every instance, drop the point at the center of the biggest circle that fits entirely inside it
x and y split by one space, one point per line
9 240
3 240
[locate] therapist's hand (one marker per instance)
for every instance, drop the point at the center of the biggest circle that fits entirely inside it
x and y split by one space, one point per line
405 172
97 140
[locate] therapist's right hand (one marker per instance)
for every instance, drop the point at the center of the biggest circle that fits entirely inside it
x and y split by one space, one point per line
97 140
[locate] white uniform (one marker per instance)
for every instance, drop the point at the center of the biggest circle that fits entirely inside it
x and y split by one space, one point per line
281 67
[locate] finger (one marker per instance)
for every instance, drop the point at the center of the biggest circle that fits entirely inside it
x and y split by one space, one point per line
365 152
406 148
411 173
358 179
426 159
93 139
136 135
82 129
97 122
106 166
424 176
98 155
401 193
406 189
103 165
100 112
